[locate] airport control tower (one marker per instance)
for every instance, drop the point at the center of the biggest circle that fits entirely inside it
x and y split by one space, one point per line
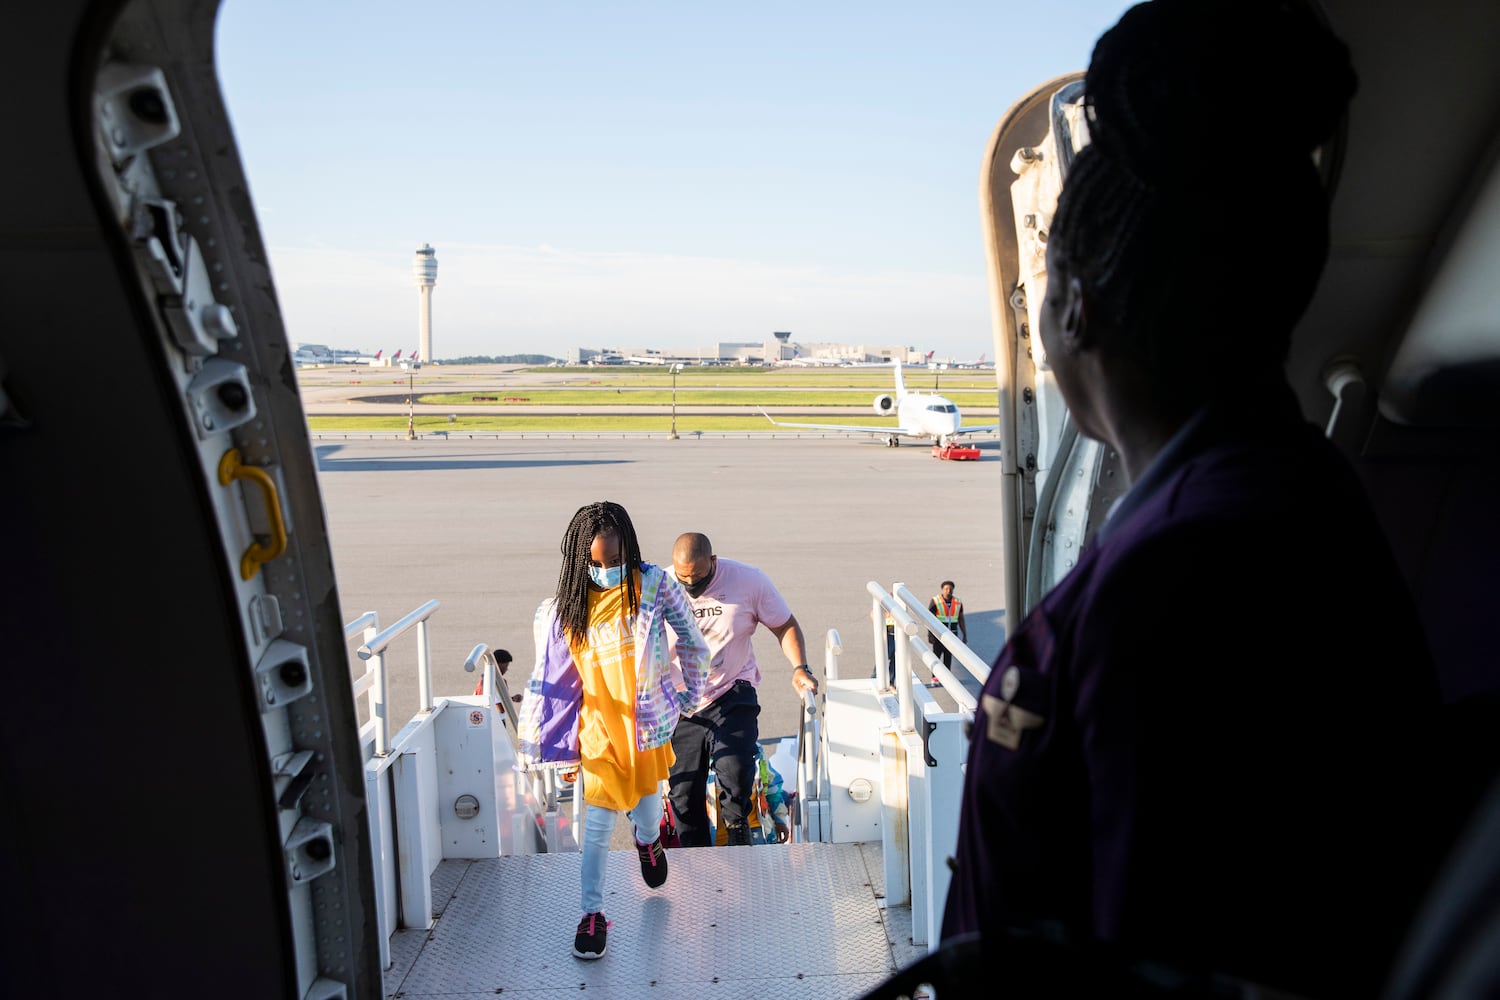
424 269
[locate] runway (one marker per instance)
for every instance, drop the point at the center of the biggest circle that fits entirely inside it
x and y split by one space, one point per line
477 524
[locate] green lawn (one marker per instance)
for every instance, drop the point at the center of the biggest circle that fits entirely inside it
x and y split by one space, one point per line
738 390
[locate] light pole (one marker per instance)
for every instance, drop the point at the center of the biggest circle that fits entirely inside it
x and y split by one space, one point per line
411 434
673 435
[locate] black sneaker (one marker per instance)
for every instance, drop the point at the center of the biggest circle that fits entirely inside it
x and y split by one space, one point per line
653 862
589 941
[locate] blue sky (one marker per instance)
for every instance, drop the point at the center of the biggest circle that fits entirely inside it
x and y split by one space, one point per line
648 175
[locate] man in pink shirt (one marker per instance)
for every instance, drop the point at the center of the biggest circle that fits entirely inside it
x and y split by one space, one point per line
729 600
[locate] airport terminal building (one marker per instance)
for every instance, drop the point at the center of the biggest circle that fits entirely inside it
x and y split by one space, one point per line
777 348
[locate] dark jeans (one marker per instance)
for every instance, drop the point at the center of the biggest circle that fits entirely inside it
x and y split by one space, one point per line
890 656
722 736
941 651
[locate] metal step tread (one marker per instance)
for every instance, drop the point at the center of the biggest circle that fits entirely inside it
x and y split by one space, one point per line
794 920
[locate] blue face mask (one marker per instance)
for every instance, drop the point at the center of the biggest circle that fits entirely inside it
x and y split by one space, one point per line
606 579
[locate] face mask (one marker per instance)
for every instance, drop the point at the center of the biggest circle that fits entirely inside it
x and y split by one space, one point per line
606 579
699 586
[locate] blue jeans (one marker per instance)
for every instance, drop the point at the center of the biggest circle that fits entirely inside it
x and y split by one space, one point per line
598 828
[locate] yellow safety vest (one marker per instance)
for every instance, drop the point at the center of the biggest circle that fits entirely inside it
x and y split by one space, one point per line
947 612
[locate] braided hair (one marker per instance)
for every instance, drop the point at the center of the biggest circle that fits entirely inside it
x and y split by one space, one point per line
1196 220
572 604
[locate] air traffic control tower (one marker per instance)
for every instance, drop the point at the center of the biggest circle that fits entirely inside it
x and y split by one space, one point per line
424 269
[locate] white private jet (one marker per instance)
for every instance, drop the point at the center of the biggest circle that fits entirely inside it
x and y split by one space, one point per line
925 416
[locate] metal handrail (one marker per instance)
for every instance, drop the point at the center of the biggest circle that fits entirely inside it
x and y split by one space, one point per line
367 683
812 765
970 659
369 623
543 783
366 620
833 648
385 637
884 602
934 664
374 680
906 625
494 686
376 647
912 620
809 762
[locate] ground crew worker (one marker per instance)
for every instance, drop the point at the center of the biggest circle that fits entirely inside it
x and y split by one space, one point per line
502 667
890 650
890 647
950 611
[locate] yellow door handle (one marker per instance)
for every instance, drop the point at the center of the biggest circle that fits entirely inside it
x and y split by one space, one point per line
231 467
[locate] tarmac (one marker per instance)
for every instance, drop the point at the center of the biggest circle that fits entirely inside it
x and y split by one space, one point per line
477 524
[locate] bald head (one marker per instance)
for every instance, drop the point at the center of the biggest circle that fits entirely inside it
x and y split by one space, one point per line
692 546
693 561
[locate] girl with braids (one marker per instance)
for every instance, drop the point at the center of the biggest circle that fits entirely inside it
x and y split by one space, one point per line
602 694
1145 776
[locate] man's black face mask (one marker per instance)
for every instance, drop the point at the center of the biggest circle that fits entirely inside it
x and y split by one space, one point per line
697 587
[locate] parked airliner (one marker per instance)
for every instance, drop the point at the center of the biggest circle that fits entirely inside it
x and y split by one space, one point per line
798 361
925 416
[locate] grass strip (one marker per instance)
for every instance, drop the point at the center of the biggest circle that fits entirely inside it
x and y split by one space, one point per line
533 396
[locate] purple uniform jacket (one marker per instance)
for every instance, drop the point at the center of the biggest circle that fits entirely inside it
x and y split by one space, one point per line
1194 746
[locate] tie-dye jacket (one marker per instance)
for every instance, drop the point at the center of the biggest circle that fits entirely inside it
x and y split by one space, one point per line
548 728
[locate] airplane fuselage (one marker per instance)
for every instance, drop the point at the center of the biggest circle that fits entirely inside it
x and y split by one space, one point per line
925 415
922 415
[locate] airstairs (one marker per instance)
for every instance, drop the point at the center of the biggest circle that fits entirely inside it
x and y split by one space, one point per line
477 865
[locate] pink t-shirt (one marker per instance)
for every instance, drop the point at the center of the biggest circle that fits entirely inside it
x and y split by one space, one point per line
739 598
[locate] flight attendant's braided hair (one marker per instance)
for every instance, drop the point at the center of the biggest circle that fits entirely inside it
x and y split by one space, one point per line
1196 219
572 605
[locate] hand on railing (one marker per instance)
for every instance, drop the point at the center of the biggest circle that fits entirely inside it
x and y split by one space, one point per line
809 764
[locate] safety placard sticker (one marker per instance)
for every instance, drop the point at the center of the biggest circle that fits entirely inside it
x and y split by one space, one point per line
476 718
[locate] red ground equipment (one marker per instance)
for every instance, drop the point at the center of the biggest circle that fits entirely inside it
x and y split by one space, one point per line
955 452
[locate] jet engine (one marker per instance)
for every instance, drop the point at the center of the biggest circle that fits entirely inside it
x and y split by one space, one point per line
884 405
